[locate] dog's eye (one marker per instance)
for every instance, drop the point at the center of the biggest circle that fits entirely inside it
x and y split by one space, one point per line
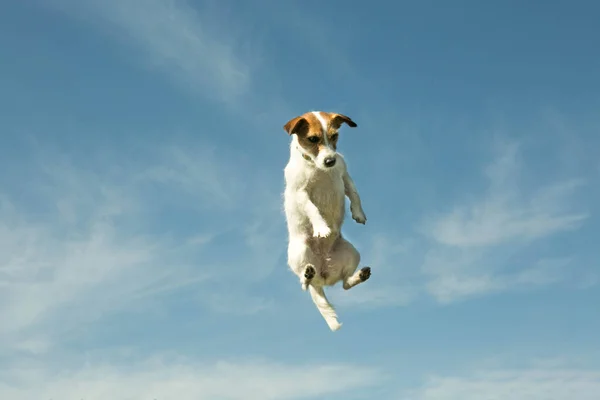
313 139
334 136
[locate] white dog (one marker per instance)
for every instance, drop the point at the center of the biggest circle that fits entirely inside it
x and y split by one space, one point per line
316 183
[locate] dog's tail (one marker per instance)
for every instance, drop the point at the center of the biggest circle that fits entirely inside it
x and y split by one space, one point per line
324 306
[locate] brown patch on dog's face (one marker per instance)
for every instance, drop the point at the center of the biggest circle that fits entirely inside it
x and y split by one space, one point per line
313 137
312 141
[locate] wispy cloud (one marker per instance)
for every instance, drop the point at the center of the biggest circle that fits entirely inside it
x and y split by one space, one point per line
190 175
508 213
535 383
165 377
187 44
67 259
77 235
457 275
472 245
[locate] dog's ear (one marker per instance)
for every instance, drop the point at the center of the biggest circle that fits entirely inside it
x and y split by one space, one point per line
298 125
339 119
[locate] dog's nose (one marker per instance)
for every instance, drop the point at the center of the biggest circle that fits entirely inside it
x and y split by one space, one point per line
329 162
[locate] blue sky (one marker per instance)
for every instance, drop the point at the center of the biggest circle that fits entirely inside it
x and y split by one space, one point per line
142 238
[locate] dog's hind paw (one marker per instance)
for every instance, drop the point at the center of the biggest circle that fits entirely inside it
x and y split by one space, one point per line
309 272
365 273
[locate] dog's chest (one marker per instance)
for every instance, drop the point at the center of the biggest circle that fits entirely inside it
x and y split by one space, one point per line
327 193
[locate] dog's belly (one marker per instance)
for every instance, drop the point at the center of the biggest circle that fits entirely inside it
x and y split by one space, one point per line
328 268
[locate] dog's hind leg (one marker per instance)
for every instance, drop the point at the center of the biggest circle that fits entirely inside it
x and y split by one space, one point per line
358 277
346 258
302 261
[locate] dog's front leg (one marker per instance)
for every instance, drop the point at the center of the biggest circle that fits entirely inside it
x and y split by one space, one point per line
355 204
320 228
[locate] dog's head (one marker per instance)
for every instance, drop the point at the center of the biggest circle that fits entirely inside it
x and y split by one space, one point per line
317 134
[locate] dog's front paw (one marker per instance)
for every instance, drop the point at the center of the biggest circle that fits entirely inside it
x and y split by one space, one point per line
358 215
321 231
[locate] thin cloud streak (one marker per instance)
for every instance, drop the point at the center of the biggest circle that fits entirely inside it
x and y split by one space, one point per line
93 237
471 245
163 377
59 264
507 213
516 384
176 39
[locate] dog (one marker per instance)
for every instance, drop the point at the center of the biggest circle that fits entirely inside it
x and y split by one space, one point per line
316 185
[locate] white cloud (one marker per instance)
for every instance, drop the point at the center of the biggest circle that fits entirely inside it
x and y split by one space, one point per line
195 173
192 47
457 274
86 246
507 213
69 260
472 245
536 383
167 378
544 272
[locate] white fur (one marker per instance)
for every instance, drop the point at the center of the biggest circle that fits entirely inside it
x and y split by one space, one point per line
314 202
